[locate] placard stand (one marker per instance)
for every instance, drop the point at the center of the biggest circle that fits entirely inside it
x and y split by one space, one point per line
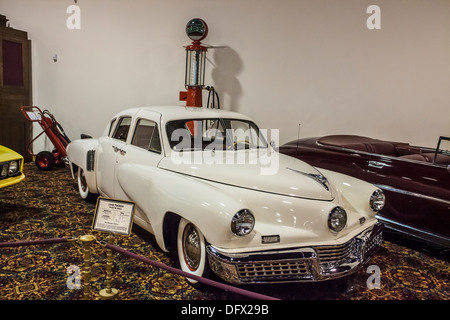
115 217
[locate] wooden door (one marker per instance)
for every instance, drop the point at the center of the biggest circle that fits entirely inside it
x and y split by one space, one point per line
15 89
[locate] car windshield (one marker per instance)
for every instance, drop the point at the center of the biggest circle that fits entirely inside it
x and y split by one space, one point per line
442 154
214 134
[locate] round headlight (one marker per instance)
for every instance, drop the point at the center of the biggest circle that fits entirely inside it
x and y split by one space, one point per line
13 167
242 223
337 219
377 200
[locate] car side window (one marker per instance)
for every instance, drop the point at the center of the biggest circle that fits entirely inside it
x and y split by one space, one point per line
122 128
146 136
111 126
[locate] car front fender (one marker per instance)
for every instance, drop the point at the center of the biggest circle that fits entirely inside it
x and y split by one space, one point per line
157 191
354 193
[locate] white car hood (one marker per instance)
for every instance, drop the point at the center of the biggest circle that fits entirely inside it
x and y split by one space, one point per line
286 176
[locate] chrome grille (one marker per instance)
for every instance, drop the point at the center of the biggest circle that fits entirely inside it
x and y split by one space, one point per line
272 270
333 254
372 244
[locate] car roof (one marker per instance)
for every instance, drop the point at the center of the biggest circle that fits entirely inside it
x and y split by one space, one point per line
169 113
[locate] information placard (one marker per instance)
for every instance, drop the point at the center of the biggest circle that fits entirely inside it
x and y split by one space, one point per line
115 216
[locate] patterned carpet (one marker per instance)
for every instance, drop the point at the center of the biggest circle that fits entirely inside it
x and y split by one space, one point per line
47 205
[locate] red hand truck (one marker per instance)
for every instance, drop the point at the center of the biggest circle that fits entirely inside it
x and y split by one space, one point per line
46 160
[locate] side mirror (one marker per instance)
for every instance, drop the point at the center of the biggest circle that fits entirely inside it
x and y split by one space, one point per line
448 169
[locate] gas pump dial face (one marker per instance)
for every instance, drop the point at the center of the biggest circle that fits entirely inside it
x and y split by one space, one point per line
197 29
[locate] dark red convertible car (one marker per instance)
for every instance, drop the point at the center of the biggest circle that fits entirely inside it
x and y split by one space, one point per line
415 180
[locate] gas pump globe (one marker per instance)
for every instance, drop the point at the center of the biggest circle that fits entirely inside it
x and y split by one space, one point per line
196 30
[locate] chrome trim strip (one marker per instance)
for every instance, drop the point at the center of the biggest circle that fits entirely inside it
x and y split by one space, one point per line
382 156
412 194
319 178
422 234
239 257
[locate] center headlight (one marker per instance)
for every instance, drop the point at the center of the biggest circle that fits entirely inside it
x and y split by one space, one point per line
337 219
242 223
13 167
377 200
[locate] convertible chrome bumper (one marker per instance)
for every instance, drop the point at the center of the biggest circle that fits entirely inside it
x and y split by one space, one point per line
316 263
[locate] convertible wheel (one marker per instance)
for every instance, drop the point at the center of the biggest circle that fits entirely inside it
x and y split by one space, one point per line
191 250
83 188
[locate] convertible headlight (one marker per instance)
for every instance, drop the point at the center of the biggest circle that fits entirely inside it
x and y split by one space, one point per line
13 167
377 200
242 223
337 219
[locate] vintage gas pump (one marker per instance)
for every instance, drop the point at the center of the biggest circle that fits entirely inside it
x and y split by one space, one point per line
196 30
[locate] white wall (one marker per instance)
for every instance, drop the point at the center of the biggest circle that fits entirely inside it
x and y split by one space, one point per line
285 62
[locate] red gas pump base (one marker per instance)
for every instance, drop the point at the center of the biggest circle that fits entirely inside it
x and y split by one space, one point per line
193 97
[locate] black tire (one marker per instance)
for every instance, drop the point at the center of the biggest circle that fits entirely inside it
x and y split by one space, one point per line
45 161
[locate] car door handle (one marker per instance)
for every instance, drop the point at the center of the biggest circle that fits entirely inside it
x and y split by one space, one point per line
122 152
377 164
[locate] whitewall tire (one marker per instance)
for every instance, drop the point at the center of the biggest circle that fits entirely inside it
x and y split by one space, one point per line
191 249
83 188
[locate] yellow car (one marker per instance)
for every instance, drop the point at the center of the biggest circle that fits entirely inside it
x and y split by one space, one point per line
11 167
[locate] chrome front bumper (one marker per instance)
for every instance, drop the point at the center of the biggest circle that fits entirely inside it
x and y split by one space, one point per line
316 263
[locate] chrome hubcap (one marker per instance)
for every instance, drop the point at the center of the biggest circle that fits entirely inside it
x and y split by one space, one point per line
83 181
192 249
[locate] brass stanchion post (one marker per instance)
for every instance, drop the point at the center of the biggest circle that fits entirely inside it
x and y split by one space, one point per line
109 293
87 242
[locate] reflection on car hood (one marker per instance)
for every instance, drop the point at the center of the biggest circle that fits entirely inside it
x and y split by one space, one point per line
7 154
255 170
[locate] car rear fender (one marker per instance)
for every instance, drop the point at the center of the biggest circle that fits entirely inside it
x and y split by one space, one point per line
82 154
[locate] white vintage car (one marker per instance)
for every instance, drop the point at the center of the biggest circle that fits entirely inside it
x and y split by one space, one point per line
207 184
